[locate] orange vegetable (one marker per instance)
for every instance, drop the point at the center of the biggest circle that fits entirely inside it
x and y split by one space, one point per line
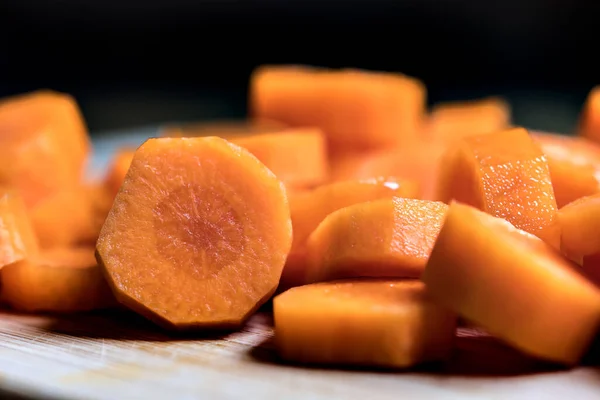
43 144
224 128
574 166
298 157
118 169
58 280
512 284
504 174
580 226
589 123
197 235
17 240
455 120
382 238
353 108
385 323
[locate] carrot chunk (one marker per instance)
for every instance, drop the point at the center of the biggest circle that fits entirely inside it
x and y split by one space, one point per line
197 235
43 144
506 175
382 238
224 128
353 108
580 226
57 280
17 239
589 123
512 284
118 169
384 323
574 166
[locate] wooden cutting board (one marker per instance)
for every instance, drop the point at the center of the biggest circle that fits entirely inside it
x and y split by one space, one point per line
108 357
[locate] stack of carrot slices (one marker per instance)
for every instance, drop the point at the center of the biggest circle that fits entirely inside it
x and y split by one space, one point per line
375 225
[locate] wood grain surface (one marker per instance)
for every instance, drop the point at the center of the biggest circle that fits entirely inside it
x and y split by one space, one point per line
121 356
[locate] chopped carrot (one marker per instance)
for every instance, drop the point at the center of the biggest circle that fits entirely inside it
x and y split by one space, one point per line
224 128
383 323
455 120
298 157
512 284
382 238
353 108
506 175
580 226
574 166
43 144
118 169
197 235
17 240
57 280
589 123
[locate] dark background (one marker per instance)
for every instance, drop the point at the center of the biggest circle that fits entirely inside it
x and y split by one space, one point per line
138 63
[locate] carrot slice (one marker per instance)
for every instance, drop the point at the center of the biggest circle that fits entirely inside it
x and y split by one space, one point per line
382 238
197 235
580 226
224 128
43 144
455 120
504 174
298 157
384 323
17 240
589 123
118 169
512 284
574 166
57 280
354 108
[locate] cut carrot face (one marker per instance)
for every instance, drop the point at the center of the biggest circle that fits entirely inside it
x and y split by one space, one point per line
453 121
589 123
580 226
298 157
225 128
356 109
383 323
382 238
512 284
506 175
118 169
57 280
574 166
43 144
17 239
197 235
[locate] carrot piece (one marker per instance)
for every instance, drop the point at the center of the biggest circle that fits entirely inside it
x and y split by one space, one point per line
17 240
43 144
506 175
57 280
512 284
589 123
580 226
197 235
118 169
574 166
309 208
68 218
353 108
298 157
455 120
382 238
384 323
224 128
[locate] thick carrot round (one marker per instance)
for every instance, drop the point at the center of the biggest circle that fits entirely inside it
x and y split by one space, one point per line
57 280
512 284
197 235
382 238
17 238
384 323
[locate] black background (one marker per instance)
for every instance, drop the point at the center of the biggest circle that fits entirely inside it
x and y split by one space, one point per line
132 63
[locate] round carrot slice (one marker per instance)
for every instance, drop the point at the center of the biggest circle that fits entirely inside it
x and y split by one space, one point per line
57 280
197 235
382 238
